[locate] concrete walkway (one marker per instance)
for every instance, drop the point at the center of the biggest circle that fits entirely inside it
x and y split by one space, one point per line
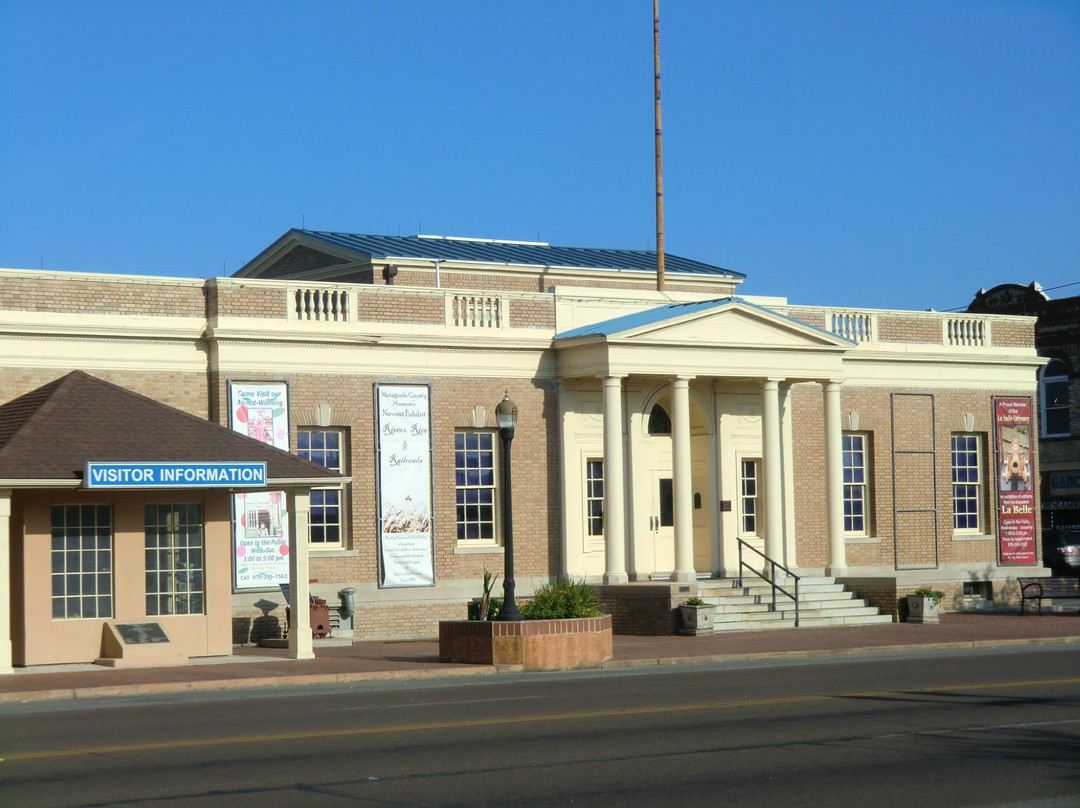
418 659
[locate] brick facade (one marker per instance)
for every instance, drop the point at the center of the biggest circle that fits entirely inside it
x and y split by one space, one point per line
254 322
918 422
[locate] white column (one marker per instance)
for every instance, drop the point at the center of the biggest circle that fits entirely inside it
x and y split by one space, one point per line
614 484
834 477
5 581
300 644
774 479
682 481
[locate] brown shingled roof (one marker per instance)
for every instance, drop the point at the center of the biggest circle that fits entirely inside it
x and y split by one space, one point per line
52 432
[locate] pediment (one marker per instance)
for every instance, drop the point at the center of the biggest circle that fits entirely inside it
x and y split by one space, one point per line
736 325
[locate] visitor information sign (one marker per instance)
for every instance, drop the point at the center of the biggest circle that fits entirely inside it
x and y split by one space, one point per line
260 410
403 447
1015 483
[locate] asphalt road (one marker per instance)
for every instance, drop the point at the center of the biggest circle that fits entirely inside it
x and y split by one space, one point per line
963 730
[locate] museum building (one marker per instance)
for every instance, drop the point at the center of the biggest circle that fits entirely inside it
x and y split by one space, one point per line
660 434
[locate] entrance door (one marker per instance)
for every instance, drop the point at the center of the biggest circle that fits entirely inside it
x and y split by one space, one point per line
662 522
702 507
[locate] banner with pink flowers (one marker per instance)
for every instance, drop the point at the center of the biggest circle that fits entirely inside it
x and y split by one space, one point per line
260 410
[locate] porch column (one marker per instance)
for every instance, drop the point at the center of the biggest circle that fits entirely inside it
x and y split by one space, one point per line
683 483
774 479
5 581
300 644
834 477
614 484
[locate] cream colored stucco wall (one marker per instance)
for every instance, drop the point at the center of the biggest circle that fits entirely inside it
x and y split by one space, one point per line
48 641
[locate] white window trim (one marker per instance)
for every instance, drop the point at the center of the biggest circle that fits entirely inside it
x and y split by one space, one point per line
327 547
865 532
979 531
759 500
494 544
592 542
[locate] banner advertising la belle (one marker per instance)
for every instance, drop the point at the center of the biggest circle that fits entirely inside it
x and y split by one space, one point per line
403 444
260 410
1016 486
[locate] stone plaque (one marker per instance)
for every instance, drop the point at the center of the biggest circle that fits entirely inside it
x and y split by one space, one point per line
141 633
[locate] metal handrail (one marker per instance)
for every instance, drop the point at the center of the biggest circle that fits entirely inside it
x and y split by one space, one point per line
771 580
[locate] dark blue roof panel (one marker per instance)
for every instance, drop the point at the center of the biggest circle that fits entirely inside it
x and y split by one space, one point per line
502 252
639 318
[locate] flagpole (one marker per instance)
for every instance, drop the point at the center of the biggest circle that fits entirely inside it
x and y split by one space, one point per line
659 152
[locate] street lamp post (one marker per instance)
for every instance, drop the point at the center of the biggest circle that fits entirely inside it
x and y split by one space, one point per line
506 418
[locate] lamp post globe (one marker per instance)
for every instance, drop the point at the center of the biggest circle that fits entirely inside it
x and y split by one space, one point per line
506 417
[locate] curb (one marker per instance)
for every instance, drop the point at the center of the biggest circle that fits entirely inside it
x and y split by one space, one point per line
250 683
817 653
299 680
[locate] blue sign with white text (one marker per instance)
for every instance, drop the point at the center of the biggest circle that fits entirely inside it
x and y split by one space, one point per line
175 475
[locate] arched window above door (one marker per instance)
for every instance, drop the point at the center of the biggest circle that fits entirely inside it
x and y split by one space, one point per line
659 421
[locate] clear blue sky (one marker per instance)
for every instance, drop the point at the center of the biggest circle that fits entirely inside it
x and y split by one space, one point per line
886 153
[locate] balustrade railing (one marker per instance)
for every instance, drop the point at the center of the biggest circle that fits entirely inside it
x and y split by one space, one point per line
475 310
327 305
965 332
855 326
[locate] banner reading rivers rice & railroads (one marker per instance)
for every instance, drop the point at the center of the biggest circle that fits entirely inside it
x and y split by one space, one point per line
403 443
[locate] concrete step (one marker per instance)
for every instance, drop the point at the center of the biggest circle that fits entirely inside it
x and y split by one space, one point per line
736 603
822 602
783 580
765 596
804 622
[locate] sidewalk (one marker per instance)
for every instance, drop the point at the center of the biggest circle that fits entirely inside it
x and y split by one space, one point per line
419 659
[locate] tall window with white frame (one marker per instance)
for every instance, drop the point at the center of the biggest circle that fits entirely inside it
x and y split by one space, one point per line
594 497
749 496
1054 399
174 559
967 483
326 528
856 487
82 583
474 476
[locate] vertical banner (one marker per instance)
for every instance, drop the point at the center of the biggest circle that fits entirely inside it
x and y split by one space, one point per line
403 446
1015 480
260 410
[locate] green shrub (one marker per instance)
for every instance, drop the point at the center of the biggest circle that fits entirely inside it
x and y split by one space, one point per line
494 607
694 601
562 599
929 592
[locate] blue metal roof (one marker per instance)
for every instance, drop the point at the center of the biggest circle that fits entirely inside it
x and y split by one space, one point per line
640 318
511 252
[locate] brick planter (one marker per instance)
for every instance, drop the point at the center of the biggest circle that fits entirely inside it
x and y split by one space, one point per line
582 642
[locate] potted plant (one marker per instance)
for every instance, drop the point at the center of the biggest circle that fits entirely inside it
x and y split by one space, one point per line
697 616
923 605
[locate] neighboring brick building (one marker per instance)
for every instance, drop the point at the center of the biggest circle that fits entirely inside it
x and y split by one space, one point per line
1057 338
656 429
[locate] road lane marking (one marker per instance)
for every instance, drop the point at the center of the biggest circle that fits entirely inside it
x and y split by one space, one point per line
490 722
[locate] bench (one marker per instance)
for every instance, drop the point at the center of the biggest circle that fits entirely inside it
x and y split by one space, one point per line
1049 588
